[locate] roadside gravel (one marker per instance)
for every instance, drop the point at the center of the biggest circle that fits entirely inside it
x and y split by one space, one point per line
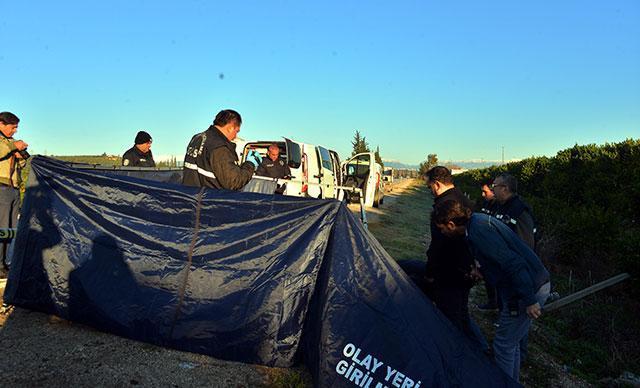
45 351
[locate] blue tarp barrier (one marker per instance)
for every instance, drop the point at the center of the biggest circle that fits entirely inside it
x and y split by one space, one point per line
255 278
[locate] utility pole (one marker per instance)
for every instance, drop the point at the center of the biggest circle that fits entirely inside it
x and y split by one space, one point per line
502 154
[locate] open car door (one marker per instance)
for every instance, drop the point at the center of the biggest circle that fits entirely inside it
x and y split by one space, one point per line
359 172
327 178
337 175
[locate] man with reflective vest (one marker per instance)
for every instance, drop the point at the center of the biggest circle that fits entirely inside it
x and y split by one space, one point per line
517 215
512 210
211 159
140 154
488 206
272 165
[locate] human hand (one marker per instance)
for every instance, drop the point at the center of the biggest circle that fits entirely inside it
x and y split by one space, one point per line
254 157
20 145
475 274
534 311
255 154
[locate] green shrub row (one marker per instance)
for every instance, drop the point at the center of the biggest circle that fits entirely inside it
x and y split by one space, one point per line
586 200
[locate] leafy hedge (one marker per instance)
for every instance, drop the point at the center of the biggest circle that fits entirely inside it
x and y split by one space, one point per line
586 200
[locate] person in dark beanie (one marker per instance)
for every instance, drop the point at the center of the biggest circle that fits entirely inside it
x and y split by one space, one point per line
140 154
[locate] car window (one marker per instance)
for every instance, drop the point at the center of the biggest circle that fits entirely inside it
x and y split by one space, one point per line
326 158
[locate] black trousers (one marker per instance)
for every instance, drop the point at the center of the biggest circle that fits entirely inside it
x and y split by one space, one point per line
492 296
454 304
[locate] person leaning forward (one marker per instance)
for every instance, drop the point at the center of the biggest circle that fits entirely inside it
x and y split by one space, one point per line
507 263
211 159
140 154
12 160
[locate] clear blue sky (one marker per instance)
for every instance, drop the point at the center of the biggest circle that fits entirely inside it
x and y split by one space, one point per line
415 77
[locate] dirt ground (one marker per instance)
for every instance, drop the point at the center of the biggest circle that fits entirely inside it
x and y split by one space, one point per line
392 192
45 351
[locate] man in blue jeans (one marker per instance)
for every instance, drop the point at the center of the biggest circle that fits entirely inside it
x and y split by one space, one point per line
507 263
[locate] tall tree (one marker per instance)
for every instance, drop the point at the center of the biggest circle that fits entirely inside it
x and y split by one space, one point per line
359 144
432 161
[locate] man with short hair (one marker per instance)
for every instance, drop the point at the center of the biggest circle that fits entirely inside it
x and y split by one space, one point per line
517 215
272 165
488 206
449 262
12 159
512 210
488 197
507 263
211 159
140 154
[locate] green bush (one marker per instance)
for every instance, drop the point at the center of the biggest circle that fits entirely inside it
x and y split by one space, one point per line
587 197
586 201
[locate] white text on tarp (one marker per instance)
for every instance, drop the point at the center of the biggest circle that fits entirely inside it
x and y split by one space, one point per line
360 368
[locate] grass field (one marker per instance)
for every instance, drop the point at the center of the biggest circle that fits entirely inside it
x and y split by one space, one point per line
105 160
402 228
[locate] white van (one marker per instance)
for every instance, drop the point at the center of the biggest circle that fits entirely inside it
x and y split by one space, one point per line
363 172
315 170
387 175
324 176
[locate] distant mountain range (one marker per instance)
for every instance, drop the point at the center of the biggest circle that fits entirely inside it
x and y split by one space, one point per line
467 164
397 164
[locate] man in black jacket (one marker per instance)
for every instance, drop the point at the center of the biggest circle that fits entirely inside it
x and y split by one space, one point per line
449 262
512 210
488 202
517 215
140 154
488 206
211 159
272 165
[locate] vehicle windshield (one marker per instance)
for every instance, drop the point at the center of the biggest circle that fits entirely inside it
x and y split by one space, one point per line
359 166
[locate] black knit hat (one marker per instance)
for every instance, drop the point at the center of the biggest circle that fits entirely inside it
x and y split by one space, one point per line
143 137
